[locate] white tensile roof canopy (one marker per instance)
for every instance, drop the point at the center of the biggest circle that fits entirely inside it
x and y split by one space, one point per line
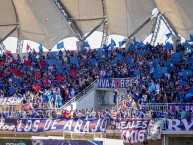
41 20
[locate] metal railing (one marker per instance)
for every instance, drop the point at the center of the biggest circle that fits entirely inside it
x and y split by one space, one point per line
78 95
156 106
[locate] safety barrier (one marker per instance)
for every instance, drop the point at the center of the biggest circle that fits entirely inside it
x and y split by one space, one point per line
155 106
78 95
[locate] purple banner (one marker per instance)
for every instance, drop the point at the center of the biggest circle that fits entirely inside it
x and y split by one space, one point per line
65 142
115 83
74 125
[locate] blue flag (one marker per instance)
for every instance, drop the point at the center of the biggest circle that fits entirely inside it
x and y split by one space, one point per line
168 46
121 43
191 37
53 54
113 44
140 52
168 35
120 57
60 45
26 68
74 60
86 44
190 60
93 61
189 95
151 86
186 73
12 90
187 45
183 83
16 80
101 53
156 61
142 45
176 57
131 61
189 51
157 72
40 48
113 62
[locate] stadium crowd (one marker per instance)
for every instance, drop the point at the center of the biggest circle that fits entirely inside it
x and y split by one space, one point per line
49 80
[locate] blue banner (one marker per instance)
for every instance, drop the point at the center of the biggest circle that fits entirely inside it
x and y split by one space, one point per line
73 125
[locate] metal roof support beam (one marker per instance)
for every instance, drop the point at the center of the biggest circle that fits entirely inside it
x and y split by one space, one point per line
105 25
68 17
86 36
19 46
2 47
140 27
169 25
13 30
156 29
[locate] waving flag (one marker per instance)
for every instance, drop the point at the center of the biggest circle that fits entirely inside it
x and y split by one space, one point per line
47 81
168 46
28 48
43 64
59 78
189 95
186 73
60 45
176 57
191 37
36 87
37 75
2 63
40 48
12 90
17 73
27 63
121 43
86 44
187 45
16 80
168 35
74 60
113 44
8 53
13 61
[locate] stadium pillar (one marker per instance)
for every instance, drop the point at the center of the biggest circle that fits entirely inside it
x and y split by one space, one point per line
79 45
176 40
165 139
126 43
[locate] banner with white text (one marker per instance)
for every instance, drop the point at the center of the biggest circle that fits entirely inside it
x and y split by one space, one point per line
139 130
115 82
74 125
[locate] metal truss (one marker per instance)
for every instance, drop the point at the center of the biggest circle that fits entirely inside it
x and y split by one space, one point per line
105 25
19 46
156 29
2 47
169 25
68 17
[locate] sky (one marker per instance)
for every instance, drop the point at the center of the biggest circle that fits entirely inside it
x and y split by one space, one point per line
94 40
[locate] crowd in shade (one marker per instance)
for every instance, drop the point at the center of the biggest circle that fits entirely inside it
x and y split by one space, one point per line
49 80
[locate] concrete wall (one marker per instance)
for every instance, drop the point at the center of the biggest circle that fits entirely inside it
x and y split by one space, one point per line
180 141
88 100
97 99
105 98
